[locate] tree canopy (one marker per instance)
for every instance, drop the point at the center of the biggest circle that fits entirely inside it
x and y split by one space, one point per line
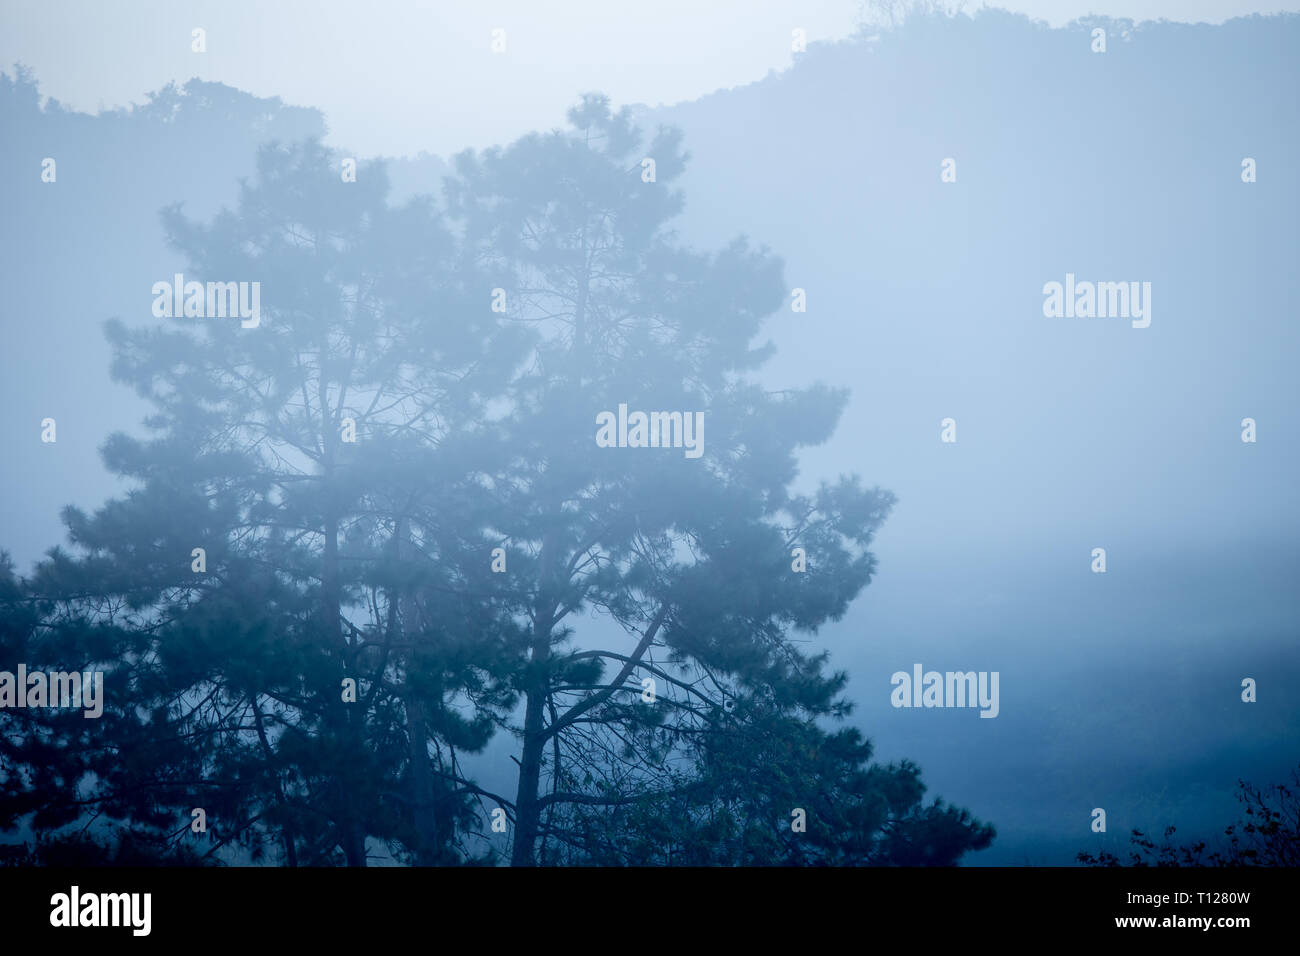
375 531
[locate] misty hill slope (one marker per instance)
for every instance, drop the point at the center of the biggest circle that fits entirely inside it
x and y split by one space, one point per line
926 299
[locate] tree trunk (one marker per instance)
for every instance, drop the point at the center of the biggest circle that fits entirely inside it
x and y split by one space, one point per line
351 832
424 821
527 813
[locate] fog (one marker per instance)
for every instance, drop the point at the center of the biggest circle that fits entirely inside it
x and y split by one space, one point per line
925 299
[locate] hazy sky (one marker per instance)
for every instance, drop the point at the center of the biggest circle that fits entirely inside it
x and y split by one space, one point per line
432 59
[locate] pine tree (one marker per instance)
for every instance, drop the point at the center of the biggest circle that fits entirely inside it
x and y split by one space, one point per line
364 612
249 597
690 556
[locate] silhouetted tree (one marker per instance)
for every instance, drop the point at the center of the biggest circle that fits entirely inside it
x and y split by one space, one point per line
690 556
685 726
769 789
226 681
1268 834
